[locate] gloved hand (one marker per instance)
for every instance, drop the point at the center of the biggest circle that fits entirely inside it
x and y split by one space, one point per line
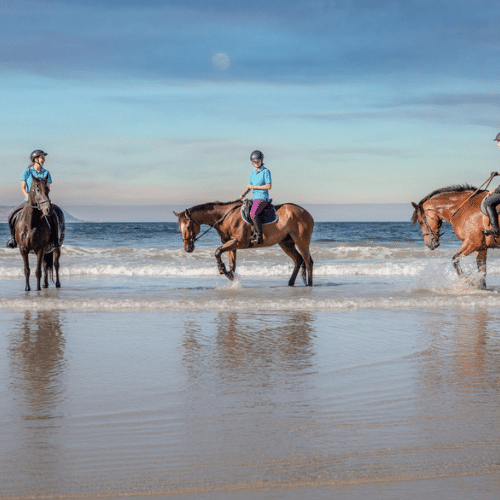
493 174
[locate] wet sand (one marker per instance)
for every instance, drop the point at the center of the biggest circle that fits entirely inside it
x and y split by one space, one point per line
373 403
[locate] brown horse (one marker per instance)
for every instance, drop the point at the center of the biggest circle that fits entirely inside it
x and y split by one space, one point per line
32 232
459 205
292 232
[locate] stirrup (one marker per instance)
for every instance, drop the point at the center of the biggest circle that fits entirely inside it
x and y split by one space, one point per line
11 243
491 232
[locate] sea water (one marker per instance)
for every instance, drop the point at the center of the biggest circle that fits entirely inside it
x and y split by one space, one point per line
356 265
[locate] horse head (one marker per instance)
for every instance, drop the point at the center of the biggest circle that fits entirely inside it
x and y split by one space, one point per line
39 196
189 229
430 224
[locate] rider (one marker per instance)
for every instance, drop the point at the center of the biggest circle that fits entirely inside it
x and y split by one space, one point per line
490 203
260 182
34 170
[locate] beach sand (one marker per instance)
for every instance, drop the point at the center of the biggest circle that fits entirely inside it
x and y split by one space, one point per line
200 404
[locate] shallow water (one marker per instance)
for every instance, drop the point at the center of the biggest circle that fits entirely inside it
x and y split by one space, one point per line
132 381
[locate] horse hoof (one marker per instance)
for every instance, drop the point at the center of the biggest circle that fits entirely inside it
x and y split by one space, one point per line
230 276
58 285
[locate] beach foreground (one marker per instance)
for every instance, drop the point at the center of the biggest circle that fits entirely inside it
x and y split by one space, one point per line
200 404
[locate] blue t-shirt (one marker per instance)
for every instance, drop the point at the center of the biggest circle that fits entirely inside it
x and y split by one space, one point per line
30 172
260 179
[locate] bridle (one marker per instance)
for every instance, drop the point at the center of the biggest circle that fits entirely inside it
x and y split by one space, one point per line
189 218
39 204
434 234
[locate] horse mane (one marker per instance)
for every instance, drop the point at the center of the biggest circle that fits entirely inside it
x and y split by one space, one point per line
448 189
205 207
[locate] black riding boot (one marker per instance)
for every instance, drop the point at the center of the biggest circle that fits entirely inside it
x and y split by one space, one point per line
12 240
493 215
257 231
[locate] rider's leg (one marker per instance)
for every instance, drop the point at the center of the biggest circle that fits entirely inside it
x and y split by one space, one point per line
257 207
12 226
491 208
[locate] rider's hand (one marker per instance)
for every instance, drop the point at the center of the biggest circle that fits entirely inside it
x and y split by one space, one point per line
493 174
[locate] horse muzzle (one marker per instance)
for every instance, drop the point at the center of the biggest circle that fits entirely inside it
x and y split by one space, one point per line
46 208
188 246
432 243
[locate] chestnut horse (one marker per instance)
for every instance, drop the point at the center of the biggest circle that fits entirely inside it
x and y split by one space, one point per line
292 232
32 232
460 206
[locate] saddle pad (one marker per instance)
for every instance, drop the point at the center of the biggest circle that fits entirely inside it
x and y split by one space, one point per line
267 216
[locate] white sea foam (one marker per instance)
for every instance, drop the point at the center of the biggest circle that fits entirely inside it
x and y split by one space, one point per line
469 301
381 268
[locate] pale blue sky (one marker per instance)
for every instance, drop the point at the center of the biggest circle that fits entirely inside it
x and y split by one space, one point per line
351 101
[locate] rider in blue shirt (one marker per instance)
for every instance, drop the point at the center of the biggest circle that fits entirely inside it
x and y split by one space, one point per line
260 182
34 170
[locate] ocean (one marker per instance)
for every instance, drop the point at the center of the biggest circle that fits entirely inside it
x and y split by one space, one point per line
147 374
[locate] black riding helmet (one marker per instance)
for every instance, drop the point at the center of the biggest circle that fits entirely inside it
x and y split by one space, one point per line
36 154
257 155
497 138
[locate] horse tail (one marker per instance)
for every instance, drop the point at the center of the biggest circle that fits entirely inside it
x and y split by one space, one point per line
48 261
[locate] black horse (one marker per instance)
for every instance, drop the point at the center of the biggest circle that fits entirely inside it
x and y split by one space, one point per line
33 233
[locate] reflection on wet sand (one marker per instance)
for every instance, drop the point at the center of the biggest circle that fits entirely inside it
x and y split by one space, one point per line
38 366
246 346
459 391
463 356
248 380
240 404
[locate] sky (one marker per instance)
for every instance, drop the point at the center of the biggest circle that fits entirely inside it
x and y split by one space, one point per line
161 102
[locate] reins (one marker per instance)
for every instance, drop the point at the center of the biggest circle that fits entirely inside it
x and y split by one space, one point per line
211 227
488 181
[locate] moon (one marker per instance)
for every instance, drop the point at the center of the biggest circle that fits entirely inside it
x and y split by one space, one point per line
221 61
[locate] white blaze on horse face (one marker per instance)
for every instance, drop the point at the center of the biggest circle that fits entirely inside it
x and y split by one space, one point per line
188 235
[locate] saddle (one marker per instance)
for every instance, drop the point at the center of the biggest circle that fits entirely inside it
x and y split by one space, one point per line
267 216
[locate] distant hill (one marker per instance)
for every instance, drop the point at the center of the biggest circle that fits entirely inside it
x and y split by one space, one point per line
6 211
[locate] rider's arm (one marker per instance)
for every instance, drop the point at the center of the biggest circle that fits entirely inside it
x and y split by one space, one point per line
266 187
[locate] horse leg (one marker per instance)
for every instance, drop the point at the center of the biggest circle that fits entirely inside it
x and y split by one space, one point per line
45 274
57 254
481 265
288 246
38 271
24 254
466 249
227 247
303 247
232 260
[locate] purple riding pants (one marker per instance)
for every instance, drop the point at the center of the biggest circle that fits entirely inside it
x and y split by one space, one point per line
257 206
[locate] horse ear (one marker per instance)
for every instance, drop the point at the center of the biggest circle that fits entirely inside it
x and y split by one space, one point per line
415 206
176 214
